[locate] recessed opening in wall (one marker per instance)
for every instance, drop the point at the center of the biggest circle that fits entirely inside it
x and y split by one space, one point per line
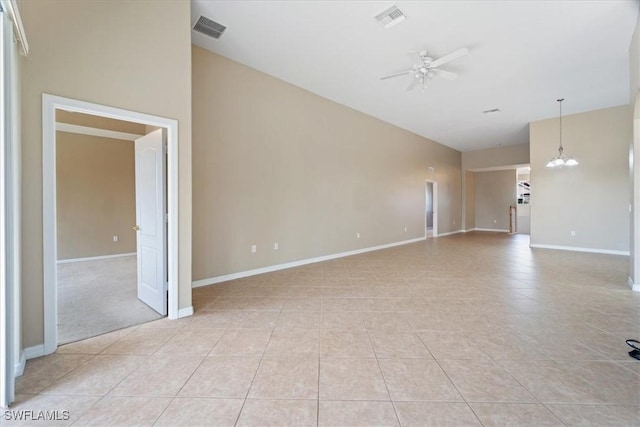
100 190
524 185
523 198
103 243
431 209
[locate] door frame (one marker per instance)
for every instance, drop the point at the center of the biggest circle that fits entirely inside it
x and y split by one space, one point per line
634 166
49 105
434 206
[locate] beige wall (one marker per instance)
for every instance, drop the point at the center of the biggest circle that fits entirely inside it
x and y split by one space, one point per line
95 196
275 163
495 192
508 155
470 200
131 55
592 198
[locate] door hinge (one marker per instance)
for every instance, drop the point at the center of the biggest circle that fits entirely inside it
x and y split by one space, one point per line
166 217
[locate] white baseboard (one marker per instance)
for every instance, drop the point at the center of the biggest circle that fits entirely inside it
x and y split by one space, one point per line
95 258
449 233
185 312
240 275
19 366
577 249
35 351
634 286
497 230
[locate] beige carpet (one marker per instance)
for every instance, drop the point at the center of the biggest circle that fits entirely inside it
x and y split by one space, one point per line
95 297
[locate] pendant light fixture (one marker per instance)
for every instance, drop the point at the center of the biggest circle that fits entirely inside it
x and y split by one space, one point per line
561 159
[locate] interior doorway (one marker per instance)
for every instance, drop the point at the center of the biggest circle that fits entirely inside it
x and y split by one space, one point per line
431 209
166 168
523 221
99 198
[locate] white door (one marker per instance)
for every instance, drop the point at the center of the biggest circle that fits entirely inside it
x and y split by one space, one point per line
150 220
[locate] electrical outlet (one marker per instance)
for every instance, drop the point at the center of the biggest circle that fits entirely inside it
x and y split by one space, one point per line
454 223
254 249
275 246
115 238
495 221
405 229
573 233
357 235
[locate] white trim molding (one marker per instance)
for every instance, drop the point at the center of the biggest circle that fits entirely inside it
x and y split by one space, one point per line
248 273
11 7
95 258
449 233
577 249
35 351
20 364
49 105
634 286
185 312
103 133
496 230
10 201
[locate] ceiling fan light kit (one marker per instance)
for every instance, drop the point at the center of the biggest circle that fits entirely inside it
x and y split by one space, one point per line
561 159
428 68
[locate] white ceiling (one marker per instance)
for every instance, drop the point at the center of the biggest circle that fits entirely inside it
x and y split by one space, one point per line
523 56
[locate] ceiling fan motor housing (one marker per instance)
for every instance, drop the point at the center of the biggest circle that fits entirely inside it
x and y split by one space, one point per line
428 67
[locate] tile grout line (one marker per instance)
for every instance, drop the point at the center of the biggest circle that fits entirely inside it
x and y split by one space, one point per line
192 373
147 357
496 362
318 399
557 417
246 397
384 380
174 397
452 383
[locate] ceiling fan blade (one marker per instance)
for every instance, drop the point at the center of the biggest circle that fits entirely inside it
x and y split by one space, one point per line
446 74
413 83
402 73
450 57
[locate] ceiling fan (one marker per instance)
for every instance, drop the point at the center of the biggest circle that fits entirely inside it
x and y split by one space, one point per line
428 68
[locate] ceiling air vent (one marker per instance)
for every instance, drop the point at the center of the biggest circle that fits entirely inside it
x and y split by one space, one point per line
209 27
391 17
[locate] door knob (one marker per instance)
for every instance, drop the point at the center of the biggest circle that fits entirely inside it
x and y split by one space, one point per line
136 228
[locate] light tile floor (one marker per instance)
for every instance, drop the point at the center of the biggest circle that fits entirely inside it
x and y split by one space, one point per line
473 329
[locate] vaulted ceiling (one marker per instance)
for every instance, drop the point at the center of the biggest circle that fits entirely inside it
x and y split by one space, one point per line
523 55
